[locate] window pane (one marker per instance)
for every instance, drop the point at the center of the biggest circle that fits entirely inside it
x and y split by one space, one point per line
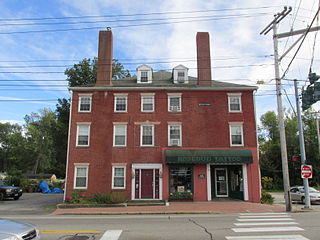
120 130
85 103
174 104
144 76
118 172
147 138
121 103
147 103
81 182
118 182
235 104
81 172
236 135
180 182
174 132
83 134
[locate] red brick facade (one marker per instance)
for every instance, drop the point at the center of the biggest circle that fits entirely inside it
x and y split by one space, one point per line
205 124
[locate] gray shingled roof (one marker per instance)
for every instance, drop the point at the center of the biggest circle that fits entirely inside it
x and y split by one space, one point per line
164 79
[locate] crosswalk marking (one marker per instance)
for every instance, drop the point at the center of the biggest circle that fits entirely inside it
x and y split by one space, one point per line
268 229
264 220
264 223
265 216
273 237
111 235
267 213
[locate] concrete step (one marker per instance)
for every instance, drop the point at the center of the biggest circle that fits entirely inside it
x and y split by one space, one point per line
146 203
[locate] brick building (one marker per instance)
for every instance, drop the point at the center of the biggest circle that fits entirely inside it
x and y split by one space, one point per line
163 135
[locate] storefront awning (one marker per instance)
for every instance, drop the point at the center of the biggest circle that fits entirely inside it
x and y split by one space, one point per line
196 156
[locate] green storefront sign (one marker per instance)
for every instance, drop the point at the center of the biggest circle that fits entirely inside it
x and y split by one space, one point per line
196 156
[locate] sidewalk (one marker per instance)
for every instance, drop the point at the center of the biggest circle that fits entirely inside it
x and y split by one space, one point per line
178 208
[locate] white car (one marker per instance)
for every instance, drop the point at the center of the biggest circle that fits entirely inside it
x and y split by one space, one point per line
12 230
297 194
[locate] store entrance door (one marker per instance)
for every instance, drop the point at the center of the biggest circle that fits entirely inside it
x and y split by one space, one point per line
221 182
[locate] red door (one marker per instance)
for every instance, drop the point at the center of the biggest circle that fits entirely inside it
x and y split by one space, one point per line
147 183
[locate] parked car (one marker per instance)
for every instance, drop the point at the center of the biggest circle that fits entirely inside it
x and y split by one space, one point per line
297 194
12 230
7 191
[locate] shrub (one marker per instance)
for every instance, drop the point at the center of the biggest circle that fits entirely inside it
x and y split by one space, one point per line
78 197
267 183
118 197
266 198
102 198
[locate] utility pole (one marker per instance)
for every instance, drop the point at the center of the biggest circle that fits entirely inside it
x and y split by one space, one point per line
302 147
285 170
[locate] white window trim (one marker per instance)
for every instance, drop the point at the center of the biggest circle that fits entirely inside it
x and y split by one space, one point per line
76 166
89 130
143 95
144 68
122 95
141 131
79 102
232 95
114 134
175 95
112 180
180 139
239 124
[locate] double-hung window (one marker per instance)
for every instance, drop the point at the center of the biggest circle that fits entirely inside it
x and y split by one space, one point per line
236 134
174 133
120 102
83 134
147 135
118 177
147 102
119 135
144 76
85 103
81 176
234 102
174 103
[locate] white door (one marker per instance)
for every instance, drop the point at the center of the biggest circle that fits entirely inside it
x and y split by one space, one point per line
221 182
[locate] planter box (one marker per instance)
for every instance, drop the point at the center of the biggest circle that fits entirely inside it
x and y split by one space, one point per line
68 205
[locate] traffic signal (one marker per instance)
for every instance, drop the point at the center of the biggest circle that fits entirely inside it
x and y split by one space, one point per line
308 97
312 94
313 77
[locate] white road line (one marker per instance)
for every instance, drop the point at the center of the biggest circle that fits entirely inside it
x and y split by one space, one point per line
111 235
273 237
266 213
265 216
268 229
264 223
264 220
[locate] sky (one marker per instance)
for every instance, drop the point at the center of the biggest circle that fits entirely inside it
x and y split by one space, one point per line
40 39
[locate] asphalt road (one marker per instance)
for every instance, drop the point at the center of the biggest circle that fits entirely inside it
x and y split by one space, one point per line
30 204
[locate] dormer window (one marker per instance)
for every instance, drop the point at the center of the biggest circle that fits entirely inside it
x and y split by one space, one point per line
144 74
180 74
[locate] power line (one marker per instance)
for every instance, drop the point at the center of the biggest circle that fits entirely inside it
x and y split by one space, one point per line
119 26
134 15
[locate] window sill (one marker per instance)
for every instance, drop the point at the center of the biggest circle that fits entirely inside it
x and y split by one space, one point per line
82 146
84 111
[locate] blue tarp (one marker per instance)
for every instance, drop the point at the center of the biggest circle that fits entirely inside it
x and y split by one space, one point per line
45 188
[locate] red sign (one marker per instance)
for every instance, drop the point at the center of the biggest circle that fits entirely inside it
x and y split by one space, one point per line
306 171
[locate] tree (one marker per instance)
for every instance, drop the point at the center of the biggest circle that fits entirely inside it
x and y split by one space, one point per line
270 152
40 135
85 72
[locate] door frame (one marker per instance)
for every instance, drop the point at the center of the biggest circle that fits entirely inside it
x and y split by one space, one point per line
244 176
226 180
146 166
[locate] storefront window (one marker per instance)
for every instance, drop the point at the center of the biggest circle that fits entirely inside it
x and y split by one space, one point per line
181 183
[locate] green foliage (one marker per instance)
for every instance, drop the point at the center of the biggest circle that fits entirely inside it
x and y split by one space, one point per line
118 197
77 197
267 183
84 73
270 152
266 198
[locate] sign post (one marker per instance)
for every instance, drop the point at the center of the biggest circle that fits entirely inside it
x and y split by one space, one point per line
306 171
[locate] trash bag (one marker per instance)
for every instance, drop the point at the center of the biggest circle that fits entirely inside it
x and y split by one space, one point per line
44 187
57 190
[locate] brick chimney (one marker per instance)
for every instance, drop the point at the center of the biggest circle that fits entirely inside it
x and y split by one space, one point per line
104 68
203 58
